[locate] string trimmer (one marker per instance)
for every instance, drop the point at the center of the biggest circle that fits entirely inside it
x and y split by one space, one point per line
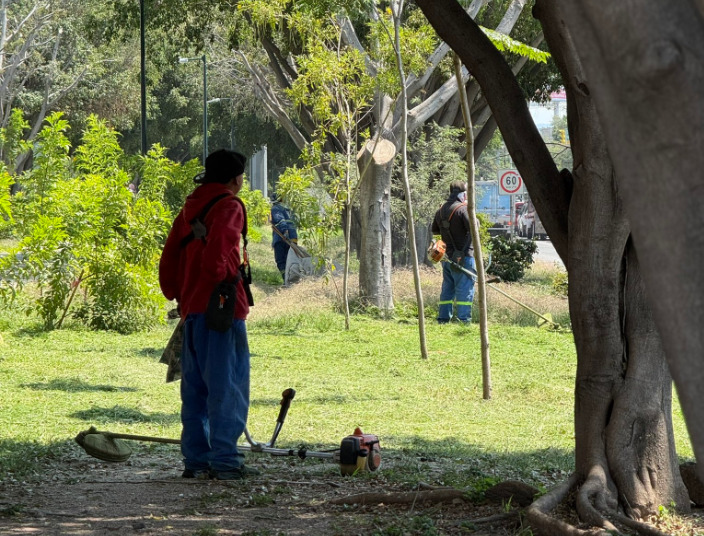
437 253
358 452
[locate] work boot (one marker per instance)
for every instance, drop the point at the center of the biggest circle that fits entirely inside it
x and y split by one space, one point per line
238 473
199 474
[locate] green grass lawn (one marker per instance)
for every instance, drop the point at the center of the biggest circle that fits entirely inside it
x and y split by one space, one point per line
55 384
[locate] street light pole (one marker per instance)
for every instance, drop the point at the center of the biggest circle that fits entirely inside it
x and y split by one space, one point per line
205 101
143 77
205 109
232 119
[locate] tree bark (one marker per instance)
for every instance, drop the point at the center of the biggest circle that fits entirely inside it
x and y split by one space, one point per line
646 67
375 162
619 435
623 425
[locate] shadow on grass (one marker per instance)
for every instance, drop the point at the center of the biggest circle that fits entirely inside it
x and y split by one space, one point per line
74 385
152 352
121 414
333 399
34 330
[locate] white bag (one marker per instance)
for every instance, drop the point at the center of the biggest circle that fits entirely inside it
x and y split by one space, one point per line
297 267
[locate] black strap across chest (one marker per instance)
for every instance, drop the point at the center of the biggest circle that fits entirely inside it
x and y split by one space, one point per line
198 229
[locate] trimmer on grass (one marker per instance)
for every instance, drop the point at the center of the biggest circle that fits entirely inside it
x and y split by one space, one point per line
358 452
436 253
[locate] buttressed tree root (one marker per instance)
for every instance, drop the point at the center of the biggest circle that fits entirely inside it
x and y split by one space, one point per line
538 514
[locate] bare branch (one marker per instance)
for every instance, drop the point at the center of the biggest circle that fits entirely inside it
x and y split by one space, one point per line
273 105
415 83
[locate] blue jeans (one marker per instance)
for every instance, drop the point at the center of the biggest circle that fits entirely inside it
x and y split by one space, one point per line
214 394
457 289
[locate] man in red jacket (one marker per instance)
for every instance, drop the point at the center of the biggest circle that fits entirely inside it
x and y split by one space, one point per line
215 365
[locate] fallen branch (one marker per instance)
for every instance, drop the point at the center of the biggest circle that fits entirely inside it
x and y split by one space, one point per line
407 497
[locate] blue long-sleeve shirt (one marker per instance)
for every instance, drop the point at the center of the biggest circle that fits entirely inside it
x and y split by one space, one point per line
281 219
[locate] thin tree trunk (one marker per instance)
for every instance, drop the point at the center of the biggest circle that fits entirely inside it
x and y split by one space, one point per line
397 9
348 229
476 241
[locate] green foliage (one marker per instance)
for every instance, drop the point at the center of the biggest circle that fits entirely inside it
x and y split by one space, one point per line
50 166
484 236
147 226
83 229
334 84
99 152
258 210
418 40
166 181
327 78
12 145
510 258
317 214
435 164
559 283
12 142
504 43
126 297
6 182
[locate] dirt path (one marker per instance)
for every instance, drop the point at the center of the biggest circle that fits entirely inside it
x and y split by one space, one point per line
145 495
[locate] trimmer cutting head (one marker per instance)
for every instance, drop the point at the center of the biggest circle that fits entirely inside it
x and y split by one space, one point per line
102 446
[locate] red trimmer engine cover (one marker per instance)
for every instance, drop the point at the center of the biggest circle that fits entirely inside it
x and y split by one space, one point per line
359 452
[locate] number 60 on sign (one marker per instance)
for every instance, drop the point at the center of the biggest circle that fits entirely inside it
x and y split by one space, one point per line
510 182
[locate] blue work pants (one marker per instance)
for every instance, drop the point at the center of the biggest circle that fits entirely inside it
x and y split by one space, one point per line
458 289
214 394
280 254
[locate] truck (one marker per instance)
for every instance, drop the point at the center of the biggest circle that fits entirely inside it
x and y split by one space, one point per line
497 208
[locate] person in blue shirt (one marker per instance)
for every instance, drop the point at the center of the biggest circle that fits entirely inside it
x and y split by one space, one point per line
284 233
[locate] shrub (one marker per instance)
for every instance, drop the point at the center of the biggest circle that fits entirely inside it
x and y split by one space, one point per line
81 228
257 211
510 258
125 297
559 283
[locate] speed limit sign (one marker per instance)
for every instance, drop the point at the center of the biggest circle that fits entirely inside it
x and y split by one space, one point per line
510 182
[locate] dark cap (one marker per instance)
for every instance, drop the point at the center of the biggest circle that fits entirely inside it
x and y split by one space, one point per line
222 166
457 187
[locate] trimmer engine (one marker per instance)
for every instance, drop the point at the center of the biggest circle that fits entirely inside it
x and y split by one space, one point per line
359 452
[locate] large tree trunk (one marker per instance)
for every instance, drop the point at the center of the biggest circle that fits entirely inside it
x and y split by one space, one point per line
623 414
625 452
644 62
375 162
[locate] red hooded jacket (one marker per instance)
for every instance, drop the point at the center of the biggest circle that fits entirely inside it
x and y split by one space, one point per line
189 274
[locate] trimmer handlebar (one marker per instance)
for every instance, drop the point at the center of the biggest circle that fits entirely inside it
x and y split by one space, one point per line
285 403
